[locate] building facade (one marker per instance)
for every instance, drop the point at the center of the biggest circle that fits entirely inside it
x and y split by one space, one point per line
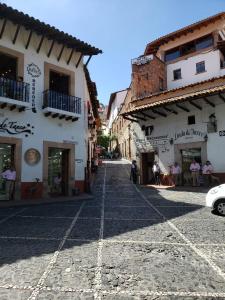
178 100
43 100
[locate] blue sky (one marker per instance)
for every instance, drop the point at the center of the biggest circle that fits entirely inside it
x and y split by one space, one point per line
121 28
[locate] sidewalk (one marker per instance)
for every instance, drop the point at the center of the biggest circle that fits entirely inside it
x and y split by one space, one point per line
74 199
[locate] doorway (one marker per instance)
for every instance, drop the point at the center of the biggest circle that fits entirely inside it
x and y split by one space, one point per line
59 82
188 155
8 66
6 160
147 160
58 171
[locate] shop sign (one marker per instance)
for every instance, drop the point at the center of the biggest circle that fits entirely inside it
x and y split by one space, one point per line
14 128
222 133
33 70
189 133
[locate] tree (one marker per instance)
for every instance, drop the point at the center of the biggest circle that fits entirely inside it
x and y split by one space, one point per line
103 141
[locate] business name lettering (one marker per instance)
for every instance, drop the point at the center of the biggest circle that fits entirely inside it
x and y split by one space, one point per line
190 133
12 127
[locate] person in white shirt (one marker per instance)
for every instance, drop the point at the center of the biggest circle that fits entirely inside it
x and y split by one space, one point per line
10 176
195 168
207 173
156 172
176 172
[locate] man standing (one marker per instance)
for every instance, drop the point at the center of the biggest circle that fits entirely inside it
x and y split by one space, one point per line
10 176
156 172
207 173
133 171
195 168
176 171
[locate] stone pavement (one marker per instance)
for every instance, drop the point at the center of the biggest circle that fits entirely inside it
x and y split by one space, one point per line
127 243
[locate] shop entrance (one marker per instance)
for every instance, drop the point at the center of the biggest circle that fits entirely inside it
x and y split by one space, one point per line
58 171
6 160
187 156
147 160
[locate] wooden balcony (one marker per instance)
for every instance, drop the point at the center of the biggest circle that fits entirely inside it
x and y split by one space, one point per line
14 94
62 106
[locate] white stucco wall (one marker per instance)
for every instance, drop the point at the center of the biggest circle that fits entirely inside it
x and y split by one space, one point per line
188 69
119 99
173 126
46 128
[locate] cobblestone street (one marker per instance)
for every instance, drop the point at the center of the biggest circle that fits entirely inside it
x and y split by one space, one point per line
127 243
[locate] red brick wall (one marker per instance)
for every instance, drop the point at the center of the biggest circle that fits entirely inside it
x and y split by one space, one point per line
145 78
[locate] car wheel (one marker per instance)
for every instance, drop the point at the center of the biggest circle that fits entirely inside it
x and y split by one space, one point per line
220 207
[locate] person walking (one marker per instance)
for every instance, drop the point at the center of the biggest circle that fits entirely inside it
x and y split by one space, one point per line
176 173
10 176
207 173
133 172
156 172
195 168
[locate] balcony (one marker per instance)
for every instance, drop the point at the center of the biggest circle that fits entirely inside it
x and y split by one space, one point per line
14 94
62 106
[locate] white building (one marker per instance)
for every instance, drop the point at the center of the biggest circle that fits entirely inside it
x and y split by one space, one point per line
178 99
43 101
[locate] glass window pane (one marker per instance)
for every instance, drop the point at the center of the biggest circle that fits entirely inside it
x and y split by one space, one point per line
170 55
204 42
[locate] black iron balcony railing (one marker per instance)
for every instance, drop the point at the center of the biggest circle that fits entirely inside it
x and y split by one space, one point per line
61 101
13 89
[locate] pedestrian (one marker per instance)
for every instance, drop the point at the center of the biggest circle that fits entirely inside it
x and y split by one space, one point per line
207 173
58 183
176 173
96 164
133 171
195 168
10 177
156 172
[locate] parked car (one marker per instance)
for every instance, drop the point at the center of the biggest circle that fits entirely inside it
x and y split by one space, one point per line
215 199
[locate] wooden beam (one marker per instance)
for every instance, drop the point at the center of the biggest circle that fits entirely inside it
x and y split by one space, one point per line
195 105
159 113
61 52
130 119
208 102
136 116
50 50
16 34
12 107
74 119
146 115
55 115
79 60
221 97
29 39
3 105
47 114
62 117
68 118
71 54
40 43
170 110
182 107
3 28
89 58
21 109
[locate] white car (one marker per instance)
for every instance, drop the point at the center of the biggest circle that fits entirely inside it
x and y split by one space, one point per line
215 199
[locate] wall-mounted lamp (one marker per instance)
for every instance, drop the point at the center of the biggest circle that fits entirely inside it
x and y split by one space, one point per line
206 138
171 141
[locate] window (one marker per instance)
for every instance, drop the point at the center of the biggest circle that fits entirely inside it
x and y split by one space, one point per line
200 67
177 74
148 130
161 84
172 54
190 47
59 82
204 42
8 66
191 120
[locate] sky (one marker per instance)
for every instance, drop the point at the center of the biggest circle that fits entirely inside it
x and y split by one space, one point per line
120 28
